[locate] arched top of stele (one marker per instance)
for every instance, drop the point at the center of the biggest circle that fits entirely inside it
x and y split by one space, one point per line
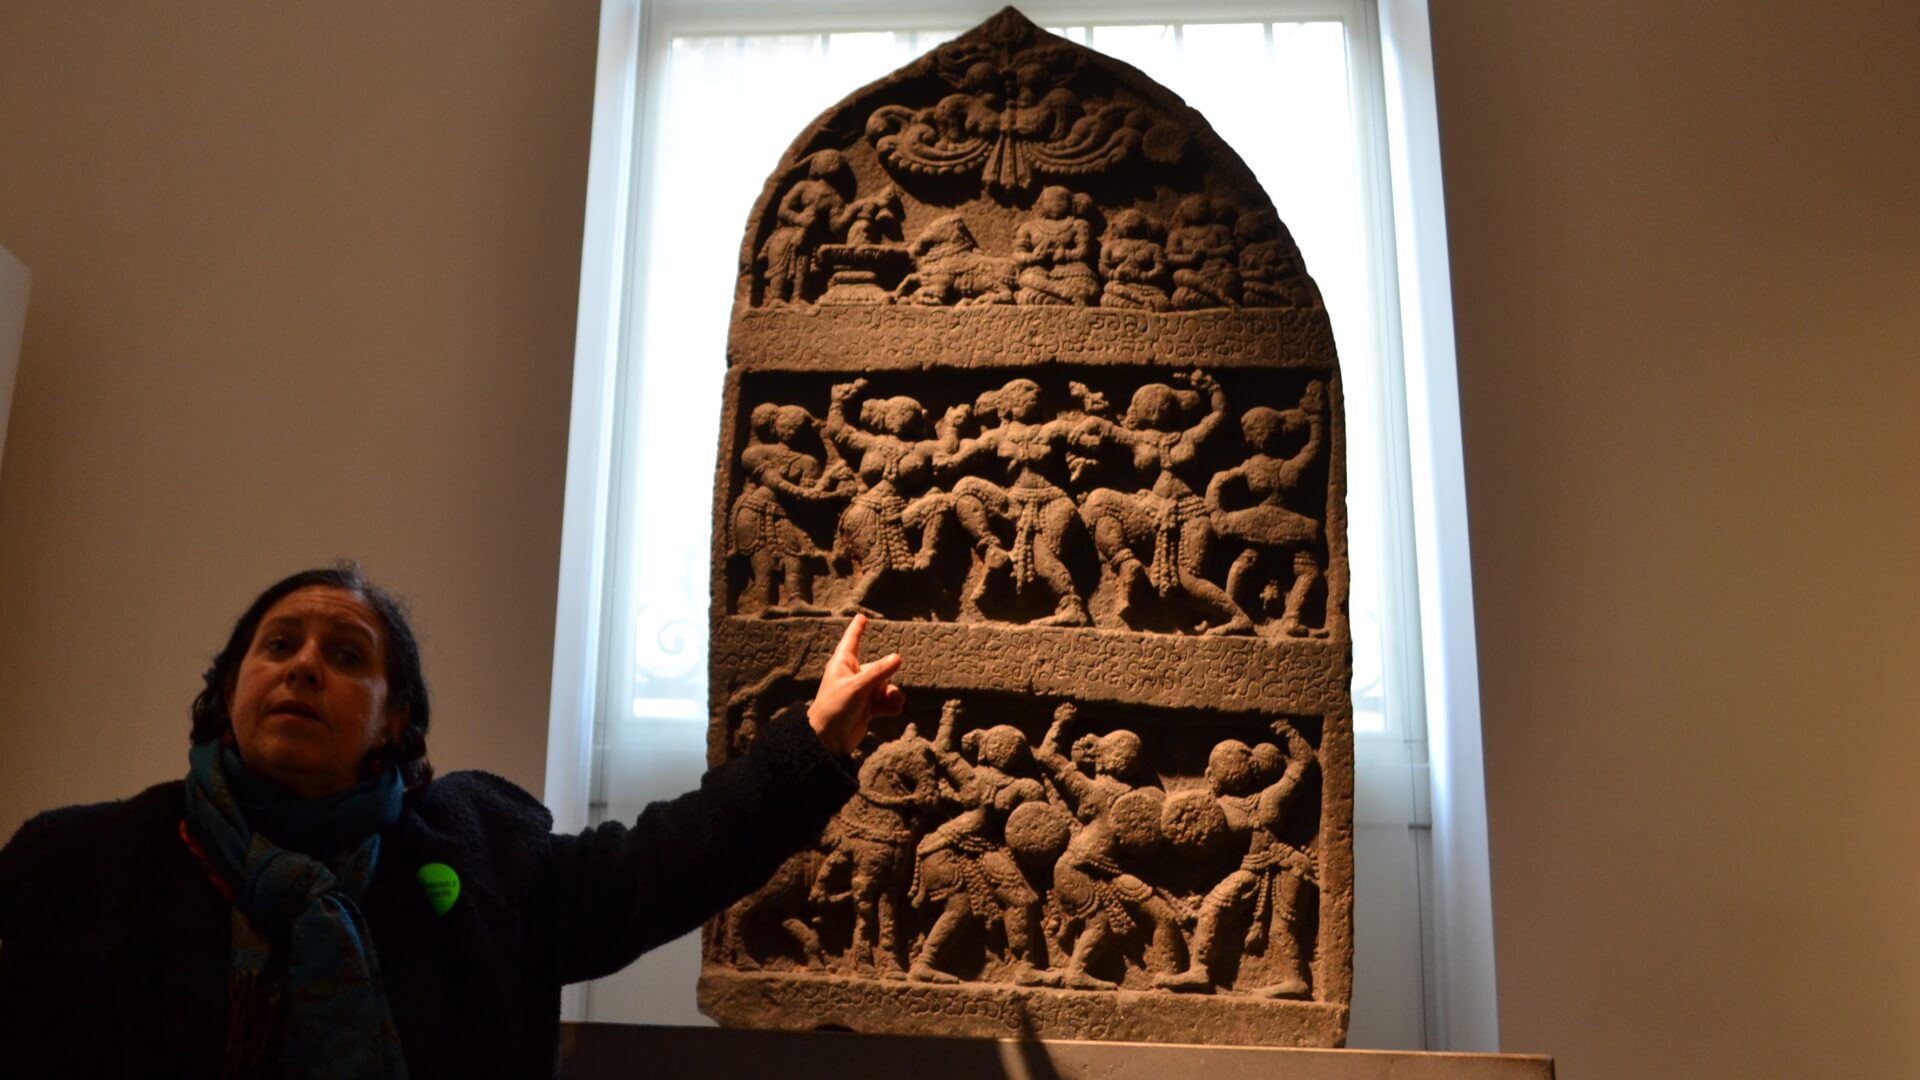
926 193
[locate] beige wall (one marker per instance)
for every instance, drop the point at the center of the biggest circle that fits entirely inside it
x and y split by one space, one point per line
304 287
1684 242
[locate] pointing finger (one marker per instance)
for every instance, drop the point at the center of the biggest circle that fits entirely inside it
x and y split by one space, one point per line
847 652
877 672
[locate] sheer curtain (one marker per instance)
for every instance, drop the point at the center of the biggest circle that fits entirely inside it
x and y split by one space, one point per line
1287 96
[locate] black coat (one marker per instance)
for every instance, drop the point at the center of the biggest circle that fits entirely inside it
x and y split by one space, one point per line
114 944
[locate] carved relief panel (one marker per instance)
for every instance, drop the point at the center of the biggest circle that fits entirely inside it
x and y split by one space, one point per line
1025 367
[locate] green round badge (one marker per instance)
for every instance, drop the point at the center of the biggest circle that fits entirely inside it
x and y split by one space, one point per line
442 886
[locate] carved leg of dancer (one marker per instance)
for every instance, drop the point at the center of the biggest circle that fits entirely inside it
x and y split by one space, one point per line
957 913
1116 520
1231 894
1245 563
798 582
1023 943
856 601
1286 915
976 502
1195 542
1086 951
757 597
1070 609
1306 575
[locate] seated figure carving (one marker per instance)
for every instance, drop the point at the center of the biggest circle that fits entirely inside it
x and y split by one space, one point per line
1134 264
1270 272
1053 251
1200 246
1262 488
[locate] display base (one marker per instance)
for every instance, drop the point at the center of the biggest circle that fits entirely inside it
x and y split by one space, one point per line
606 1051
976 1010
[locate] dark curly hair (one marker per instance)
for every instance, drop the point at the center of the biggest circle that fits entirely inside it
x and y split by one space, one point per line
406 684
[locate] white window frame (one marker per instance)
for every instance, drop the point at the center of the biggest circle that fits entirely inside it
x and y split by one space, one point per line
1391 72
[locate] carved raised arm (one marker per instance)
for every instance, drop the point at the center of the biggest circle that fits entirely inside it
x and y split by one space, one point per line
946 746
945 739
1300 756
1073 784
1062 716
839 428
1313 406
1216 411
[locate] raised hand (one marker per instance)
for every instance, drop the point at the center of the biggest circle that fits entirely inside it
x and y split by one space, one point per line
851 693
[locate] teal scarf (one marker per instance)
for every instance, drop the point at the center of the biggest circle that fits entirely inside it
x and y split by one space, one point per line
304 982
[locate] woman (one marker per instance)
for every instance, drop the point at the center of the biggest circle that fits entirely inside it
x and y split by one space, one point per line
312 902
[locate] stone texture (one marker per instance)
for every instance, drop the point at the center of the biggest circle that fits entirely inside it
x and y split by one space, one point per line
1024 366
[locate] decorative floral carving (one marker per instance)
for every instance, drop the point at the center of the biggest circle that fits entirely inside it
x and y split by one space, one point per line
1015 116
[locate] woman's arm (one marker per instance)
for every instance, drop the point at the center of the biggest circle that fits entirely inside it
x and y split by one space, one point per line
603 897
1216 411
1313 407
839 429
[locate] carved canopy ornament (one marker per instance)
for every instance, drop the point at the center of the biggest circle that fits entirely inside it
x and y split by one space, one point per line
1025 367
1014 117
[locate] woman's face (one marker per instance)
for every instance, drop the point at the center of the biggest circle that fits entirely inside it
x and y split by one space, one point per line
310 699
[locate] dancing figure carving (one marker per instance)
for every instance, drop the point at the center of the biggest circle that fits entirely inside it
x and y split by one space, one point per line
1021 528
1273 887
1102 903
893 461
1262 487
964 867
1167 523
780 479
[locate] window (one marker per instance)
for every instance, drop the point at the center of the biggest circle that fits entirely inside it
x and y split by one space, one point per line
690 126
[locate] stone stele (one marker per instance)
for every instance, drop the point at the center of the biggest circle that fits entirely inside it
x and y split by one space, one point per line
1025 367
